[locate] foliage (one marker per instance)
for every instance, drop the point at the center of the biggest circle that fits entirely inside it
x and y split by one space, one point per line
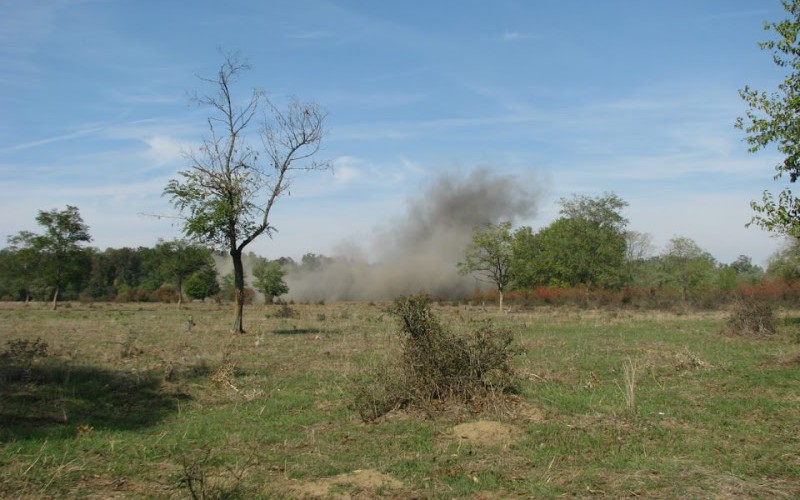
269 279
604 211
586 246
440 365
227 193
56 253
202 284
772 118
18 268
785 263
687 266
181 259
489 256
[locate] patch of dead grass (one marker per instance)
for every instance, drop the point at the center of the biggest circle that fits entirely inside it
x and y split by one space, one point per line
483 433
366 483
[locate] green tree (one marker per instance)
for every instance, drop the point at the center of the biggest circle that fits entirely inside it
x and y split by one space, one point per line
60 259
773 118
202 284
227 287
18 273
746 272
269 281
181 259
585 246
489 256
228 191
687 266
638 251
785 263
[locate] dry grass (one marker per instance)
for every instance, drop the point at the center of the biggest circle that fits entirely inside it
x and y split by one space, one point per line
129 402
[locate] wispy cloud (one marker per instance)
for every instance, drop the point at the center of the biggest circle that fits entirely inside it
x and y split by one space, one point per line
515 36
84 132
309 35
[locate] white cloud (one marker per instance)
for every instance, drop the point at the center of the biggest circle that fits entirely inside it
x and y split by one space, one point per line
164 150
345 170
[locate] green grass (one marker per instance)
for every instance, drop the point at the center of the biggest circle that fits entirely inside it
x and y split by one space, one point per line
714 415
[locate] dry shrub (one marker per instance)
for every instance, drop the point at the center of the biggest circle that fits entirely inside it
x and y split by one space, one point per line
437 364
380 389
25 350
286 311
751 317
17 361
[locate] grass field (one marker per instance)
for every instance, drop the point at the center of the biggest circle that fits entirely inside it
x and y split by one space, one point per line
151 401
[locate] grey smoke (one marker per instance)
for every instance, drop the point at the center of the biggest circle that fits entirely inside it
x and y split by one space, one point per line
419 252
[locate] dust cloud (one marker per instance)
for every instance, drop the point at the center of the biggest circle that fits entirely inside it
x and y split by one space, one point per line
419 252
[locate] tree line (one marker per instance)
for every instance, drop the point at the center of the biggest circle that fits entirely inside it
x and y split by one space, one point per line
587 248
590 247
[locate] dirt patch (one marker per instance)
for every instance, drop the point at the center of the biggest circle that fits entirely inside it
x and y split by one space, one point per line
485 433
522 412
362 483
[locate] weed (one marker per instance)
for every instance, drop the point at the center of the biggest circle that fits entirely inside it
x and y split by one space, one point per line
203 482
630 367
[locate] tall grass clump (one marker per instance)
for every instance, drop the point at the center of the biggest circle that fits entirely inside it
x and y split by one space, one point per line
630 369
437 364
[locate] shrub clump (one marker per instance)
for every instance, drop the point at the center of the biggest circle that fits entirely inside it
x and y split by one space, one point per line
751 317
19 358
437 364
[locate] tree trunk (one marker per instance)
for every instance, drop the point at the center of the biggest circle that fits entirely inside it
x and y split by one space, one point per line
500 295
238 280
180 293
55 298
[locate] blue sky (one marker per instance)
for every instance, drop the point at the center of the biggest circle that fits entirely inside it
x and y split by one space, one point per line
634 97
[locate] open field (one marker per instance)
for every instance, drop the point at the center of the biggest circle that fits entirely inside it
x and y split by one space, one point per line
147 400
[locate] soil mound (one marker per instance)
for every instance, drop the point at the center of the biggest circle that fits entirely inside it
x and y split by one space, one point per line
486 433
365 483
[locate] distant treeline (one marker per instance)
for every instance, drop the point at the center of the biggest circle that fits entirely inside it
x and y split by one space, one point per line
587 256
157 274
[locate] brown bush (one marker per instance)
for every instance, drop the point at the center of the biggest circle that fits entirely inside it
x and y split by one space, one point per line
751 317
437 364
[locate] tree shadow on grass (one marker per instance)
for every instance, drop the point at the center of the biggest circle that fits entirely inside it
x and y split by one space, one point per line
52 399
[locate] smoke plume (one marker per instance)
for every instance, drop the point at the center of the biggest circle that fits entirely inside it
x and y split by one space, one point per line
419 252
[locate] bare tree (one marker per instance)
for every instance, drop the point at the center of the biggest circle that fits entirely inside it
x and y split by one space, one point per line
227 194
